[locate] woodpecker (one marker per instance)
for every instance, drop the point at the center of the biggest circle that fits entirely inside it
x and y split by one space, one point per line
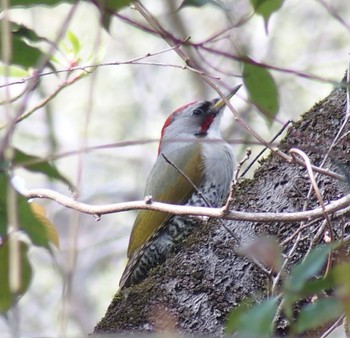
191 141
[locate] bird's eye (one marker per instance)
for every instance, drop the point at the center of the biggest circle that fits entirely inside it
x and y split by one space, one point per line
198 111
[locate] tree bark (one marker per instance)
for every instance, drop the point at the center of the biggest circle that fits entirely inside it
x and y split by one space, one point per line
210 273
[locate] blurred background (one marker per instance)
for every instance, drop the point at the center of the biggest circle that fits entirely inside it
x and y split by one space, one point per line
129 102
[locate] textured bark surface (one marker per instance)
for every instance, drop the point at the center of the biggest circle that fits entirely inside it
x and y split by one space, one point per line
205 278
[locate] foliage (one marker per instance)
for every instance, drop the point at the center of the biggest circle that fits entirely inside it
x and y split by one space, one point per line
262 89
30 52
303 282
31 220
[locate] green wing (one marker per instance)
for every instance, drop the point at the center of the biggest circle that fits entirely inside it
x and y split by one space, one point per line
165 184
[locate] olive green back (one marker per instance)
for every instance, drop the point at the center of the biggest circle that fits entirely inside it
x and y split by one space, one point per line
165 184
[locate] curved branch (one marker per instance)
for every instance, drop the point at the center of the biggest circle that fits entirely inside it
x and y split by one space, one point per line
148 204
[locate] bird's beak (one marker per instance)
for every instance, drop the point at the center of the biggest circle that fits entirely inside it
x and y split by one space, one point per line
220 103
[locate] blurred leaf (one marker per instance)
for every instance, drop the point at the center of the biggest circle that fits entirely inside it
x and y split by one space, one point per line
22 54
199 3
341 273
235 316
265 8
316 314
37 164
106 7
3 209
110 4
257 321
14 71
301 274
75 42
40 213
33 223
317 286
31 3
23 31
115 5
262 89
267 250
308 268
6 296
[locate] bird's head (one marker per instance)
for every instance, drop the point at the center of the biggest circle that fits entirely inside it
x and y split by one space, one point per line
194 120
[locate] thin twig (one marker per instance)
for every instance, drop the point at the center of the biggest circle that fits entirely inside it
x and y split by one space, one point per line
46 99
89 68
235 180
285 262
265 148
333 13
320 170
6 140
334 326
299 152
299 230
316 237
306 159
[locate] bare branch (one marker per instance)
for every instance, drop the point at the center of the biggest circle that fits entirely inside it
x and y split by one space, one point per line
187 210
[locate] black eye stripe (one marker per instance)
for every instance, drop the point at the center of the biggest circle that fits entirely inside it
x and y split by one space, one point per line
202 108
198 111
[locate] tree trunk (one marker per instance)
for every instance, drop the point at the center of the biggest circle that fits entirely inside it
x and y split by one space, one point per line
210 273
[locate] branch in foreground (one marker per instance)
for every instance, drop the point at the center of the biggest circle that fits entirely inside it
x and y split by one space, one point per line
148 204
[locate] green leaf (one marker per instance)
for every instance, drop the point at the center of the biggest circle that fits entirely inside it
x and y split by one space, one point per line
266 8
23 31
31 3
31 224
107 7
256 321
199 3
40 213
296 284
22 54
31 220
14 71
115 5
75 42
108 4
317 314
341 274
37 164
317 286
7 297
3 209
235 317
262 89
307 269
